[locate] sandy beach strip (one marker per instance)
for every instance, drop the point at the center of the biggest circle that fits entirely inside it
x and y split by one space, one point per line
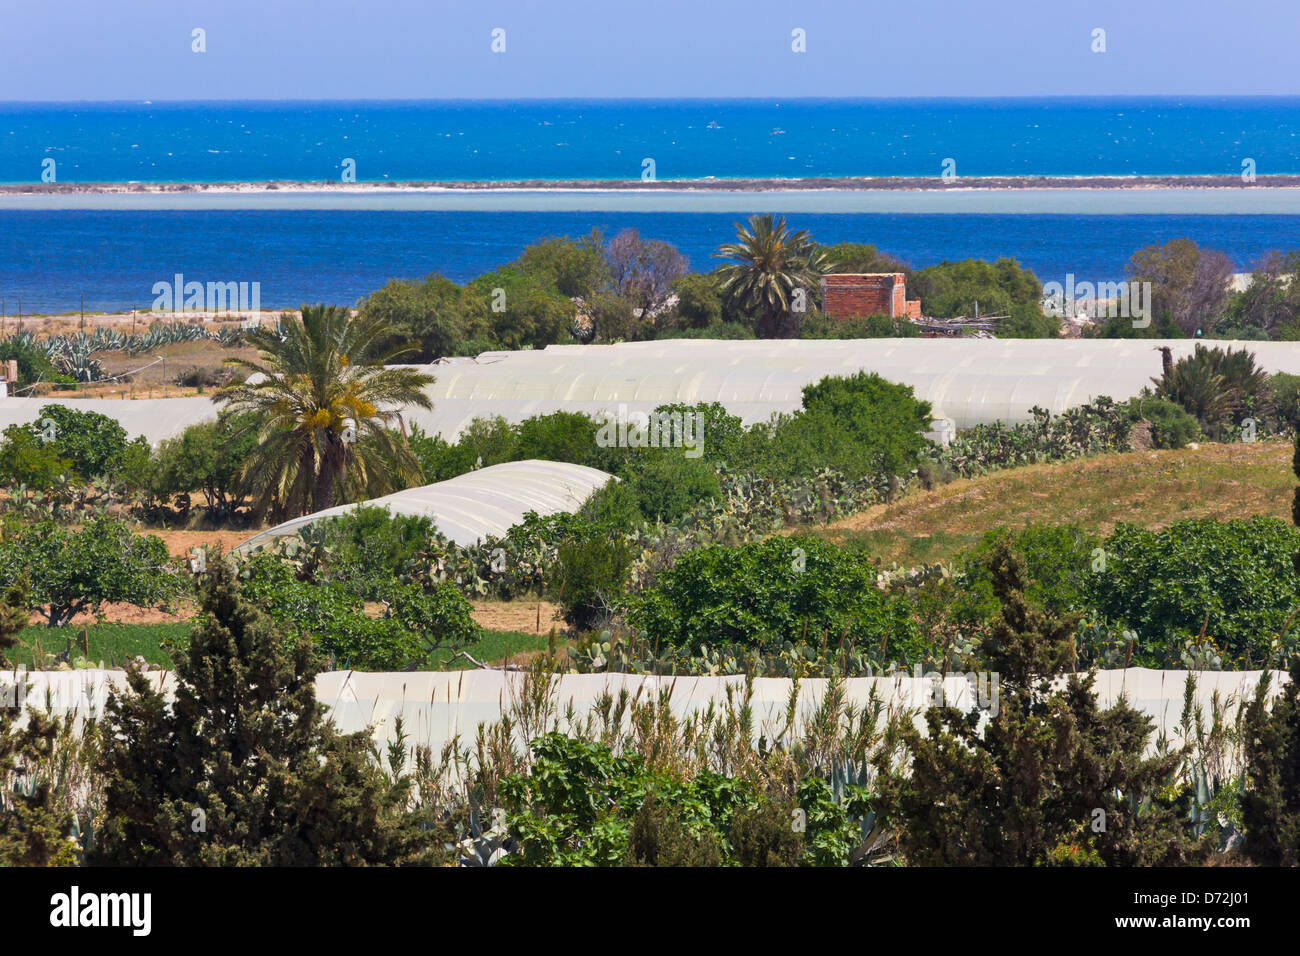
1150 196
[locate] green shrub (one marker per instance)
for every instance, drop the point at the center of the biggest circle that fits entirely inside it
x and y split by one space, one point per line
207 458
367 549
94 443
727 331
27 460
590 577
580 804
1163 585
564 436
699 304
33 363
417 622
953 288
818 325
1056 561
857 425
1171 425
667 484
775 590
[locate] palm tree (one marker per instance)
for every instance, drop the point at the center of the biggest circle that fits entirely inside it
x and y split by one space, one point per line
324 402
768 263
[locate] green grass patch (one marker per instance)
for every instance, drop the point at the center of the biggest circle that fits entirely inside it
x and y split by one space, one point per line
493 648
39 647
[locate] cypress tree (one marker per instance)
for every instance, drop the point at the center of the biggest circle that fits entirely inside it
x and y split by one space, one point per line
244 768
1038 783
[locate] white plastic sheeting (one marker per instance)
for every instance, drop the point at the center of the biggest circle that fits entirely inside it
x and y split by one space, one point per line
437 707
154 418
968 381
475 505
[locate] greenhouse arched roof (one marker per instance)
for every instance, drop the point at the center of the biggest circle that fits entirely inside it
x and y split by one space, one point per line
967 381
476 505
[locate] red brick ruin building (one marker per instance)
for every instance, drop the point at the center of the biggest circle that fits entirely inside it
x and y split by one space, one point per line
848 295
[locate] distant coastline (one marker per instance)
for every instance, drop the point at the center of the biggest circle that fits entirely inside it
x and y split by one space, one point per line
715 185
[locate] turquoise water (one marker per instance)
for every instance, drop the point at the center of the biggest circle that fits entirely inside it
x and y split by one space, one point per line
686 139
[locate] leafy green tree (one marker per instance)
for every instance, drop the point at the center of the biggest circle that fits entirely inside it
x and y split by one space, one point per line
767 264
519 310
1234 578
427 317
208 458
1189 285
330 612
767 592
27 460
667 484
862 257
590 577
614 318
1056 560
482 443
1050 779
77 570
1025 320
859 425
324 403
563 436
699 304
367 549
882 416
572 267
94 443
952 289
243 768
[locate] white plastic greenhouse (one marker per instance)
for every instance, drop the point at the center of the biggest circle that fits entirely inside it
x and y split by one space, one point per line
438 707
475 505
967 381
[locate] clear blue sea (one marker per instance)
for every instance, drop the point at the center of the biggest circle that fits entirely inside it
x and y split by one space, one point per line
50 257
609 139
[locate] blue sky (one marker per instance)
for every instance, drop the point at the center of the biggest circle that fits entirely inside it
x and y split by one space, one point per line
429 49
